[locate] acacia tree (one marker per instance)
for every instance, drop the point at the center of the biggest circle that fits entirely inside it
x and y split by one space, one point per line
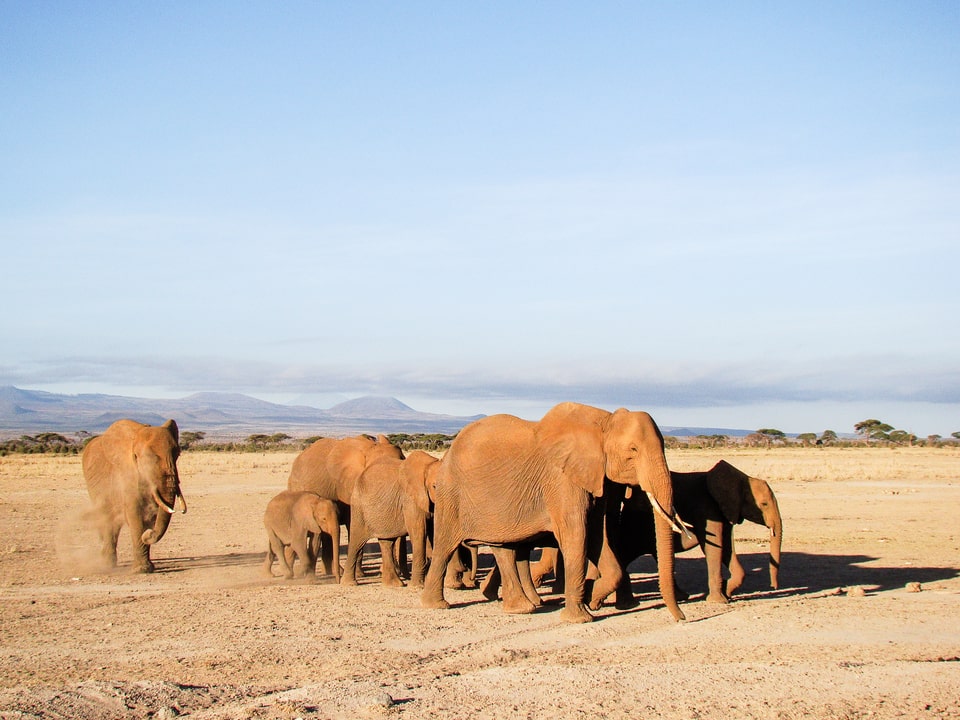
828 437
773 435
873 429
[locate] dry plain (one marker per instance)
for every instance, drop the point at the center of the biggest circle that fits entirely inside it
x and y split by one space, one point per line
208 636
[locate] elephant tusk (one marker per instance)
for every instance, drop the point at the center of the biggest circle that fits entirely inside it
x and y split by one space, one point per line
183 502
678 525
163 503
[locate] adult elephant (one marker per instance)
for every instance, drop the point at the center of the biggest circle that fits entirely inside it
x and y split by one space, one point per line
330 468
391 500
506 481
132 479
712 501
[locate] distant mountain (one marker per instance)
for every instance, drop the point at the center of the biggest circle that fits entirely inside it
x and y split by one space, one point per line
234 414
695 431
224 414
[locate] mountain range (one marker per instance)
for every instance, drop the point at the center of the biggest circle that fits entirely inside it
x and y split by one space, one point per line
234 415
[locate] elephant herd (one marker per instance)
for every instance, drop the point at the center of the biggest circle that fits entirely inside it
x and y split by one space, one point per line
590 487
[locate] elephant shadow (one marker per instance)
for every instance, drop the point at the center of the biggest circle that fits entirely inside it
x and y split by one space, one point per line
182 564
800 574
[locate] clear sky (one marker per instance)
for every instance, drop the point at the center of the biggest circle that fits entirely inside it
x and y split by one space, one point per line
740 214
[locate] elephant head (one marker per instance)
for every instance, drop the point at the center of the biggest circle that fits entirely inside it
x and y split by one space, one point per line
155 451
418 473
742 497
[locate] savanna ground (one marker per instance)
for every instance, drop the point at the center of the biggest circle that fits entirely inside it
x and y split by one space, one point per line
207 636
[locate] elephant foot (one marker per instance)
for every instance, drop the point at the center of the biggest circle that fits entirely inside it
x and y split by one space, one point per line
490 590
625 601
348 579
577 613
518 607
434 604
393 582
717 597
142 568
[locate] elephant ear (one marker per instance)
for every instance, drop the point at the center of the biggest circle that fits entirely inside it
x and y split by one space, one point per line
574 447
171 426
727 486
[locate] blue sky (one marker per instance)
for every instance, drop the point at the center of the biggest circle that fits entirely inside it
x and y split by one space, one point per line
736 215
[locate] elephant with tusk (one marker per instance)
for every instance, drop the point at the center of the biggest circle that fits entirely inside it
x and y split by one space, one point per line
132 479
506 481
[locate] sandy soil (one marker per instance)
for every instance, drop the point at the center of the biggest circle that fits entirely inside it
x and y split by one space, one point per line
207 636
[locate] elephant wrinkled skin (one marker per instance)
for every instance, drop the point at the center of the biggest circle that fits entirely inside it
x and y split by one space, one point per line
506 481
132 479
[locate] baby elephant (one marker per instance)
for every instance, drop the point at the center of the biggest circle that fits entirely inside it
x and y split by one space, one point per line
292 519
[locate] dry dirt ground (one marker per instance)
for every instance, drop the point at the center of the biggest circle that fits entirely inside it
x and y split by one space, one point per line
207 636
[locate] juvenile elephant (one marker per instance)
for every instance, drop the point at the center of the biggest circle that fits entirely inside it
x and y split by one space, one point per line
390 500
331 467
132 479
292 519
506 481
712 502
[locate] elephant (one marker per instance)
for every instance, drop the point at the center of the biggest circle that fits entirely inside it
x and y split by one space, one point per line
292 518
507 481
712 502
331 467
132 479
391 500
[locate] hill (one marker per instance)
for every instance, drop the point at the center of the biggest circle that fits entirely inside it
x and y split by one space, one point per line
228 414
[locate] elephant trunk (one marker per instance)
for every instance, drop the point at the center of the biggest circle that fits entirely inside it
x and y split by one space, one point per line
164 512
154 534
776 540
660 493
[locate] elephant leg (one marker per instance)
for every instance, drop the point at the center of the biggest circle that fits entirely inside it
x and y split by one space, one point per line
280 551
301 548
418 541
572 544
737 573
389 572
325 552
445 544
490 586
515 600
526 581
469 577
457 568
270 555
401 557
109 536
350 574
610 577
713 550
141 551
312 554
544 566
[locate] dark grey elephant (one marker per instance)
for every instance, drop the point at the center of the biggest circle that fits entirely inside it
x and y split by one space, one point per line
712 502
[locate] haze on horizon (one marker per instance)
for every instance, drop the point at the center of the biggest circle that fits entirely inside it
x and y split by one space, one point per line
744 215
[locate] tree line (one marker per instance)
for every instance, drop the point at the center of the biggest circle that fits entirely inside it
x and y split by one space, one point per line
870 432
